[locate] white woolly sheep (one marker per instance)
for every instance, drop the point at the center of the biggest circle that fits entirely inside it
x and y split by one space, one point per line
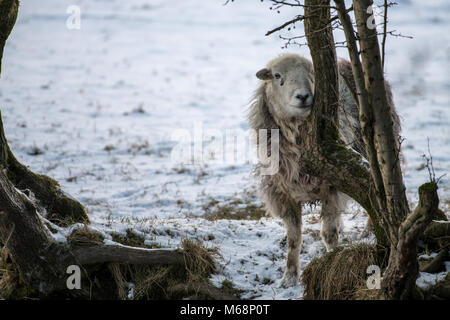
283 101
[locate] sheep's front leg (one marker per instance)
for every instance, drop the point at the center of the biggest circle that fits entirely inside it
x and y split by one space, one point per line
293 224
282 206
332 205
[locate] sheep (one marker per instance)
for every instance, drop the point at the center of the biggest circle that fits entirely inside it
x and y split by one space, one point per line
283 101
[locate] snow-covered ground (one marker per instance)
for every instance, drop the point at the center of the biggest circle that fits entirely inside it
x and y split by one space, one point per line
101 108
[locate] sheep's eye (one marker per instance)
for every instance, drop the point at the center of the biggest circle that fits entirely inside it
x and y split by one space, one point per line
277 76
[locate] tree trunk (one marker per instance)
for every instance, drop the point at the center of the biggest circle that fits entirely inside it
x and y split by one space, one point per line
383 132
400 277
8 16
61 209
43 262
383 190
325 155
365 110
40 260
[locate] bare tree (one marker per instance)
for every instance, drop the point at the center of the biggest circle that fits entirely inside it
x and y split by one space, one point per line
379 187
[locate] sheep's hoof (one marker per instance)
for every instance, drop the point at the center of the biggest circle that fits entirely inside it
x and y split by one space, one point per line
330 240
289 280
329 245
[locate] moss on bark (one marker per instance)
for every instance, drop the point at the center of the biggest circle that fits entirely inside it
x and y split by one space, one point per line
61 208
8 16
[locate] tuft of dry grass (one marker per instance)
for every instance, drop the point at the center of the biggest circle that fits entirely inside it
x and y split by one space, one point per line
367 294
133 240
12 286
233 209
198 260
189 279
340 274
85 236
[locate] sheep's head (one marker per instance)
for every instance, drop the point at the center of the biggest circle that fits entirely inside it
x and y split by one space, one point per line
290 86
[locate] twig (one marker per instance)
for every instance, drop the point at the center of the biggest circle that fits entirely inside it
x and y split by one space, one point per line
284 25
300 18
4 250
383 43
9 236
429 164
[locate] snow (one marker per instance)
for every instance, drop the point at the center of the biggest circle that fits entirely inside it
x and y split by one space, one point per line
98 109
426 280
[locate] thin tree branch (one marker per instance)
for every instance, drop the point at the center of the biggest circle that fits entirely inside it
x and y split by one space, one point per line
284 25
366 116
383 43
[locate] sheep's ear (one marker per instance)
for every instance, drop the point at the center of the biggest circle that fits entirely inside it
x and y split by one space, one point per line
264 74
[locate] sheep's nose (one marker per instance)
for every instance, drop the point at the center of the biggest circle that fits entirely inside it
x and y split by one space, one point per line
302 97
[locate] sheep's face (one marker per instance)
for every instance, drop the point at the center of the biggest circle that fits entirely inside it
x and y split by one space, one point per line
290 86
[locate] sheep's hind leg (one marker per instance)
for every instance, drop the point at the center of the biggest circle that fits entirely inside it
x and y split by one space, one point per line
368 229
332 206
293 224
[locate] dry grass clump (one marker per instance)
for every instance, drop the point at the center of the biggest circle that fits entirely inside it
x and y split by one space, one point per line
176 281
233 209
367 294
133 240
85 236
198 259
12 286
340 274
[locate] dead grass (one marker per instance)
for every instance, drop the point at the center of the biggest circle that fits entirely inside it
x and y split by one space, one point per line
169 282
188 279
133 240
12 286
228 287
340 274
367 294
233 209
85 236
